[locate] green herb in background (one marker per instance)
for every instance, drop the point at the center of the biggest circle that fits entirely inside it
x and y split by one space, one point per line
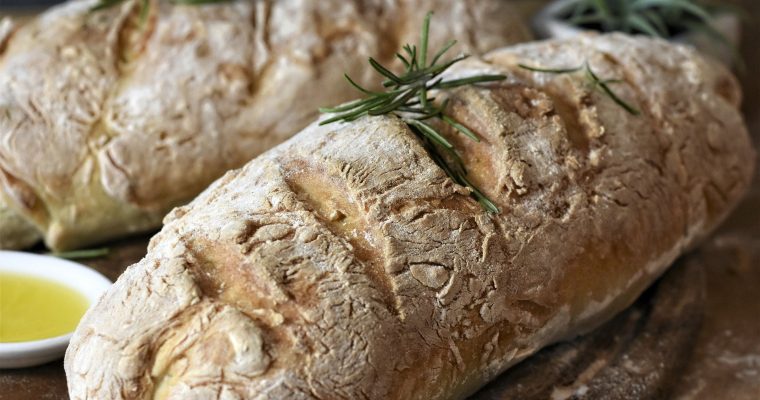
658 18
82 254
661 18
593 78
406 97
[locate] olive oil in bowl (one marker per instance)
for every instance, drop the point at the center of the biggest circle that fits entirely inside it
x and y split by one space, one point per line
42 299
35 308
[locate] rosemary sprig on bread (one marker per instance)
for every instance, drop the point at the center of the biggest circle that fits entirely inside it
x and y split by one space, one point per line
407 97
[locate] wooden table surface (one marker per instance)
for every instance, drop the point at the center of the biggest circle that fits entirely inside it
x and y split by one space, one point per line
726 360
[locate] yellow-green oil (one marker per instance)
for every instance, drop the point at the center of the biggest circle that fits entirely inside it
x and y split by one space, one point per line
33 308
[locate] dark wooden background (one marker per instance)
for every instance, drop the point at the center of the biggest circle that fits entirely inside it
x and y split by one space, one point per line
726 360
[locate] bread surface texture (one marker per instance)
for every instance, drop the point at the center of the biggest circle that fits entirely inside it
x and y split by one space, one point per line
107 122
344 264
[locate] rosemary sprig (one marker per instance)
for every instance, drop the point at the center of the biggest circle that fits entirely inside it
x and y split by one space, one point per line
406 97
593 78
82 254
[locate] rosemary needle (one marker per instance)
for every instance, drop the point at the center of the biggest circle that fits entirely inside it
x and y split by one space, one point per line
406 97
603 84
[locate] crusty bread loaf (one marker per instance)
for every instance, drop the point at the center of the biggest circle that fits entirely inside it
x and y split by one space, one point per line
344 264
107 123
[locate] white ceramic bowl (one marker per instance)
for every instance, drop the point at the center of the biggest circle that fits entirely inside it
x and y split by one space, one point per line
84 280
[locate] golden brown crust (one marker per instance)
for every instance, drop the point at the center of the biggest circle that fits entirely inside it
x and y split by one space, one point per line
345 264
125 121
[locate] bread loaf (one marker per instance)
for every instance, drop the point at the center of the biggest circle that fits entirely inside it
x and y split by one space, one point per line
106 122
344 264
